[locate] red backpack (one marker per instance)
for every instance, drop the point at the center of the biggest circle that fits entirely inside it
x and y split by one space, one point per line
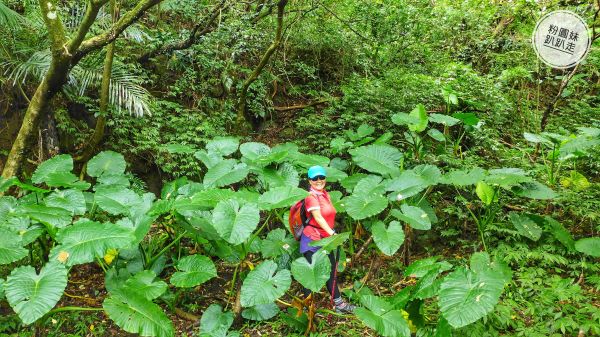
298 219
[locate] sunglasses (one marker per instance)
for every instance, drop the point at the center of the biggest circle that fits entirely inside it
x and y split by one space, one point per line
318 178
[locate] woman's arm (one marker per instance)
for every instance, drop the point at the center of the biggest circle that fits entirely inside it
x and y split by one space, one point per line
316 213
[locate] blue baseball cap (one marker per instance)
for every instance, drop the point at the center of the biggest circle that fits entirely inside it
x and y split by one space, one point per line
314 171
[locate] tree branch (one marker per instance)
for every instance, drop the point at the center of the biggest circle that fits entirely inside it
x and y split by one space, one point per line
345 23
107 37
241 114
56 30
300 106
91 12
194 35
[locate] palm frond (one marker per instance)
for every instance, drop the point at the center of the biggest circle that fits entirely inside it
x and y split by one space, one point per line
10 18
36 66
136 33
73 15
125 92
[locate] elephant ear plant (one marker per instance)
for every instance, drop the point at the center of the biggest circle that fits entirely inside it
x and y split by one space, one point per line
63 222
234 217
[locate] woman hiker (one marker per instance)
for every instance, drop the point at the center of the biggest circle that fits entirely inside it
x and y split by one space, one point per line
318 204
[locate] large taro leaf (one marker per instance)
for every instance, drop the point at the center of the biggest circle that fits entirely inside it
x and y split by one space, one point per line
312 275
32 295
64 179
308 160
260 154
223 146
136 314
367 199
589 246
428 286
464 177
57 164
411 182
1 289
203 199
380 316
406 185
467 295
117 200
486 193
71 200
534 190
51 216
277 243
560 233
285 175
507 177
468 118
215 322
264 285
106 162
235 222
377 158
86 240
389 239
421 267
144 284
443 119
209 159
330 243
261 312
8 208
5 183
281 197
226 172
11 247
415 216
193 270
525 225
350 182
420 114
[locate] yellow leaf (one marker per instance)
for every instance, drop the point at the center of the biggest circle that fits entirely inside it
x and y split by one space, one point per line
110 255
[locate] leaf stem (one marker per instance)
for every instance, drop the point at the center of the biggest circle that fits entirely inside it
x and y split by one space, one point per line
71 308
162 251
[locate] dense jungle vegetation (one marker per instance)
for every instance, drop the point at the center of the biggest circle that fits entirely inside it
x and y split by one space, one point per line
151 150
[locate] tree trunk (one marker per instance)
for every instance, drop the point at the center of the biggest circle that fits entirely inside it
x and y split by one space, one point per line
53 80
242 121
104 95
65 54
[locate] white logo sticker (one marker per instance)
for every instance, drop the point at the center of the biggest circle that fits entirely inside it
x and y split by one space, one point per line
561 39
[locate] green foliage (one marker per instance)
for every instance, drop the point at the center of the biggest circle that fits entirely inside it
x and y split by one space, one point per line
193 270
265 284
31 294
467 295
312 275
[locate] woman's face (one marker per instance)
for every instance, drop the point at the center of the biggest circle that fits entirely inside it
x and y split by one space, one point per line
318 184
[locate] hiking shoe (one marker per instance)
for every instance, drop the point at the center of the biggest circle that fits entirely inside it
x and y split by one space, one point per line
344 308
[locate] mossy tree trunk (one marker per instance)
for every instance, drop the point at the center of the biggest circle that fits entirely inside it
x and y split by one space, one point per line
242 121
104 97
66 53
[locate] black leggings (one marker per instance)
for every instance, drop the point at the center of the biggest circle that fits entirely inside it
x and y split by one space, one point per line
336 292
